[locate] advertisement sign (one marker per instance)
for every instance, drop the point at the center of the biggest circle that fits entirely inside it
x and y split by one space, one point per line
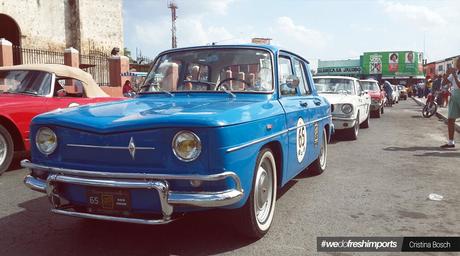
397 63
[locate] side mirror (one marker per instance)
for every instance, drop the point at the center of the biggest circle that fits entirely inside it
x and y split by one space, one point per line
292 81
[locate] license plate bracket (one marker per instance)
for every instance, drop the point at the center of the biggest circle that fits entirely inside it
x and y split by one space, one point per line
108 200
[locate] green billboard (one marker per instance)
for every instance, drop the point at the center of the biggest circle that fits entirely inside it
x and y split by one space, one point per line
393 64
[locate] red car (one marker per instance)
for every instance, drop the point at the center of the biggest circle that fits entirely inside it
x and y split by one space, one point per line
29 90
377 96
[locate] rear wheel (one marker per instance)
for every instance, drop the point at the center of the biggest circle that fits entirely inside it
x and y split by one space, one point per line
255 217
6 149
319 165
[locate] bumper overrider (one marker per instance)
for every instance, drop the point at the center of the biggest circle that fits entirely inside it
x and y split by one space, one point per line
158 182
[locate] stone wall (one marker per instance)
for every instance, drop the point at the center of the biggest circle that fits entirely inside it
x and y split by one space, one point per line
56 24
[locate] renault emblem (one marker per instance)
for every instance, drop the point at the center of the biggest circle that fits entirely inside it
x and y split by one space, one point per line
132 148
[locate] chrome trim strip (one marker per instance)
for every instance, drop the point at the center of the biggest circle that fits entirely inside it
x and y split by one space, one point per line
343 119
110 218
308 123
256 141
272 135
106 147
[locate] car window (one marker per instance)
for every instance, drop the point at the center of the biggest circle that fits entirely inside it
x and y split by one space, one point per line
299 72
358 88
285 70
237 70
334 85
25 82
68 87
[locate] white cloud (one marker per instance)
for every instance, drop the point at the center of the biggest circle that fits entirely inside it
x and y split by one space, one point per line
417 15
302 40
194 32
219 7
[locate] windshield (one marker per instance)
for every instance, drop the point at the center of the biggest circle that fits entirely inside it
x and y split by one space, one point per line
334 85
25 82
370 86
231 70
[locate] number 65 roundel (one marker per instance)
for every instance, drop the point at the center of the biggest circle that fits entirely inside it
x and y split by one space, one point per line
301 140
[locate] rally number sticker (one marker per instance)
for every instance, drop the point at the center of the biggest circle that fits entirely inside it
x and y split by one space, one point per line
301 140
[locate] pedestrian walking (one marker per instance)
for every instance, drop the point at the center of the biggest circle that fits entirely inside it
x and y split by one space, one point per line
452 76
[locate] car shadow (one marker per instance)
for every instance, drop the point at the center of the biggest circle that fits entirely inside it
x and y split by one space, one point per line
440 154
413 149
35 230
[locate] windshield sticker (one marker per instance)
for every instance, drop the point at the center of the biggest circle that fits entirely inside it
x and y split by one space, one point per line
301 140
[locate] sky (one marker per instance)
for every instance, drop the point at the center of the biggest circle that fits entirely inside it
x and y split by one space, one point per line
315 29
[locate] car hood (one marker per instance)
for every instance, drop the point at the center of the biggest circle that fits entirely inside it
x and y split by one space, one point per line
337 98
374 94
162 111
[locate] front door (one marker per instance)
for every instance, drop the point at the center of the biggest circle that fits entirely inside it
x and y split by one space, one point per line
295 105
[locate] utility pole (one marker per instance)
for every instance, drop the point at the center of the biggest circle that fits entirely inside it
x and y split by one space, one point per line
173 6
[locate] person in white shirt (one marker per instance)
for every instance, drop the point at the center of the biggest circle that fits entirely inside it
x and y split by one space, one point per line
452 76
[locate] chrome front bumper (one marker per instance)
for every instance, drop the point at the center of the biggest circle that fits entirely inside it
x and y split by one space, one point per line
158 182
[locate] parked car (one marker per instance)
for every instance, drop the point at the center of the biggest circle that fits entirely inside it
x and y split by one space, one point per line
377 96
402 92
395 94
29 90
212 127
351 104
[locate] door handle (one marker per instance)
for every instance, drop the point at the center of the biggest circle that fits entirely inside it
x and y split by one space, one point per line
317 102
303 104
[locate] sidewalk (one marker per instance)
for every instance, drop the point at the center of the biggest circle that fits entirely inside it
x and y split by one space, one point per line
441 112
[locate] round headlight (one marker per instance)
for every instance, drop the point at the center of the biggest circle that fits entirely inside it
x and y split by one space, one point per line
186 146
46 140
347 108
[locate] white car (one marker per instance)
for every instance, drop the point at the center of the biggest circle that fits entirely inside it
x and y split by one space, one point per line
350 103
395 93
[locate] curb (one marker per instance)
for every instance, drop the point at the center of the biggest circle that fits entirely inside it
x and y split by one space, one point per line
439 115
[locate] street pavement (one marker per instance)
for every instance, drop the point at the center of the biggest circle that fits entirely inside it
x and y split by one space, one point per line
375 186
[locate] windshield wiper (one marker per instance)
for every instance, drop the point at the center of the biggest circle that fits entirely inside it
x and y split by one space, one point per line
28 92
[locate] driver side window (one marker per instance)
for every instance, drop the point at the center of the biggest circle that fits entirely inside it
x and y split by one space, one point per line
68 87
284 71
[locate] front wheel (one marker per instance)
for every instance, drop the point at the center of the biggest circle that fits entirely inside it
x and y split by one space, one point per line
319 165
6 149
352 133
366 122
256 216
429 109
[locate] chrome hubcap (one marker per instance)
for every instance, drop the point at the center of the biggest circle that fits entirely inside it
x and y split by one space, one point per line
2 149
263 191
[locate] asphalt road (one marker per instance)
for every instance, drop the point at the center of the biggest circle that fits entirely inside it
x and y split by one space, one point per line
375 186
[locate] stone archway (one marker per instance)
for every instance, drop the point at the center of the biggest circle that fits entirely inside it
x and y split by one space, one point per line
10 31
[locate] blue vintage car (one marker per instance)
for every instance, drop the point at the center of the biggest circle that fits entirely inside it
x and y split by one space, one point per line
213 127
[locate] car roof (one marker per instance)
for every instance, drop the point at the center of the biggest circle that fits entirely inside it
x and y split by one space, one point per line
91 88
368 80
338 77
271 48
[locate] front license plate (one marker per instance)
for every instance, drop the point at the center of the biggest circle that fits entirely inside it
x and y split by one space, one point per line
108 200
